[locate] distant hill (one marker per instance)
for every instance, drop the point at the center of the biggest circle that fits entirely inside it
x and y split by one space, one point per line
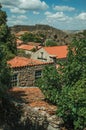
61 37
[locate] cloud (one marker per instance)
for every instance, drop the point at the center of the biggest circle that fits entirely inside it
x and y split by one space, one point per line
64 8
59 16
33 5
22 17
9 2
35 12
19 19
63 21
17 10
26 4
81 16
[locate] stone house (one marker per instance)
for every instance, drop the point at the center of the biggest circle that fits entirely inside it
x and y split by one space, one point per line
25 71
50 54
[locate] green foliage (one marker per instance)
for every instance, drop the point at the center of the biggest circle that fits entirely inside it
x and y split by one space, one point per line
67 88
8 41
5 74
6 38
50 42
3 16
22 53
34 50
72 99
7 51
75 66
50 83
72 105
26 37
31 37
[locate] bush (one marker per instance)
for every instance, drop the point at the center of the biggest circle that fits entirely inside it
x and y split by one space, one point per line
72 105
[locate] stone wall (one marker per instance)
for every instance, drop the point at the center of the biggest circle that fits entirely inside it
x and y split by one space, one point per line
39 119
26 75
24 117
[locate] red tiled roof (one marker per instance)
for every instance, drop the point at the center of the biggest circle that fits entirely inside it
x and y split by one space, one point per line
22 61
33 97
58 51
26 47
31 94
34 43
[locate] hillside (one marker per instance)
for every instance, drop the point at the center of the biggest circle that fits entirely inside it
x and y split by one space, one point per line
61 37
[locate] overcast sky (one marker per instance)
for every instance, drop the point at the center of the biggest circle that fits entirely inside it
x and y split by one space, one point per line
62 14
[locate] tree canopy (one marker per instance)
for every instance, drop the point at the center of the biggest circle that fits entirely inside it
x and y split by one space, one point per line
7 50
32 37
5 73
50 83
7 40
50 42
67 87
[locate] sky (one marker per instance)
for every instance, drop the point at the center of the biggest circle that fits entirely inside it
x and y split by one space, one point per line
61 14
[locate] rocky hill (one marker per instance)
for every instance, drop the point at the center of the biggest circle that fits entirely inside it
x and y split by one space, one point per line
61 37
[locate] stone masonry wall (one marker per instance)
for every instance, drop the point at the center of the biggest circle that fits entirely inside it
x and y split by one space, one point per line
26 75
40 120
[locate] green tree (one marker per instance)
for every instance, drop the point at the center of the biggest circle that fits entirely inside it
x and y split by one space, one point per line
67 87
3 16
50 42
5 73
6 38
72 99
75 66
50 83
26 37
7 50
72 105
30 37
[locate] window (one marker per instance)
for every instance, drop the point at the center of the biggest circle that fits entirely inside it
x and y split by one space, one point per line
38 74
41 55
14 80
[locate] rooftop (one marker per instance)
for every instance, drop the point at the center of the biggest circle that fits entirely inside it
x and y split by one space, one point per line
58 51
34 43
33 97
26 47
23 61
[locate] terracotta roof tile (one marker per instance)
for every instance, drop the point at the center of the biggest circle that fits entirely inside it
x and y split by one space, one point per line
33 97
30 94
26 47
22 61
58 51
34 43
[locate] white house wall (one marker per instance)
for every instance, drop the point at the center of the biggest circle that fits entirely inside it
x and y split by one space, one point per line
28 52
41 55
